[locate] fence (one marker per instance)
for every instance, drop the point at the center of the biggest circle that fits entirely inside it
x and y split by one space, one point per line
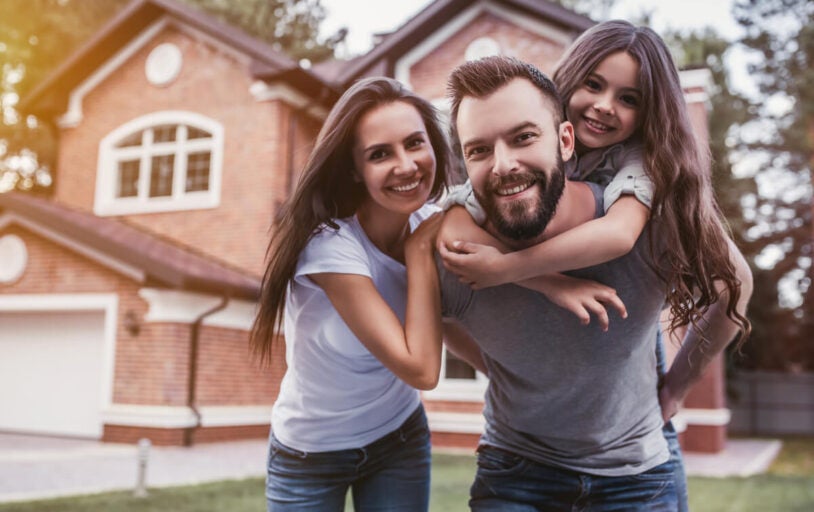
767 403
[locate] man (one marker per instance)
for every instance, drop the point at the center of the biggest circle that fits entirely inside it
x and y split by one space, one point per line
573 418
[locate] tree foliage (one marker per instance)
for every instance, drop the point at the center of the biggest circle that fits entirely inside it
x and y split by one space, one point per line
37 35
780 35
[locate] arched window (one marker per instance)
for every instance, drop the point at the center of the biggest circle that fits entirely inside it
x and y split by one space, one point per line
162 161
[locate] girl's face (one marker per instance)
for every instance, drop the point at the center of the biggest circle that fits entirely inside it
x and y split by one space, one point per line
394 158
604 109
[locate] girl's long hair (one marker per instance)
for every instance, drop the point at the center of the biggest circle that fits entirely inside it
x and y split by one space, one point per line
327 191
679 166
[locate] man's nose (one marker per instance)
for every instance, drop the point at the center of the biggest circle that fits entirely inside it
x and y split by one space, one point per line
504 160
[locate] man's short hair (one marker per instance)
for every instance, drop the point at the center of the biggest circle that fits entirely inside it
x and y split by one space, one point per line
484 76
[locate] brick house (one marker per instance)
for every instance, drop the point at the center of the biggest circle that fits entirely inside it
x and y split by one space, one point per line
126 297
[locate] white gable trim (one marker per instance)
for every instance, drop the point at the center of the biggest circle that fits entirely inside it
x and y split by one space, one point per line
73 116
106 302
436 39
103 259
262 91
185 307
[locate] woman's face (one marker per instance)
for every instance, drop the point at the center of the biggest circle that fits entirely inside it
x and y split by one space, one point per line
604 108
393 156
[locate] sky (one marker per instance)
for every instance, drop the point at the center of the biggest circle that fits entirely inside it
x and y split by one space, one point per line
366 17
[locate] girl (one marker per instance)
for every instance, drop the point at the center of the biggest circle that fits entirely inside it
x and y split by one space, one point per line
348 414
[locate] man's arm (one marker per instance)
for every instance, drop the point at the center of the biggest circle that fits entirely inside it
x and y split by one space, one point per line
703 343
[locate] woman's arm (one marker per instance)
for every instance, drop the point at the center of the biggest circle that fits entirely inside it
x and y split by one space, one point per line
603 239
413 351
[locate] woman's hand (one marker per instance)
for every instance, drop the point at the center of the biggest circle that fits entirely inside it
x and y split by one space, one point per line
582 297
422 240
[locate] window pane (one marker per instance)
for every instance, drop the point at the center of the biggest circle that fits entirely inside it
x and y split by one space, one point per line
161 175
195 133
127 183
133 139
164 133
457 369
197 172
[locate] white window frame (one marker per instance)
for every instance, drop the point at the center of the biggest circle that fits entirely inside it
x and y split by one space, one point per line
457 390
106 202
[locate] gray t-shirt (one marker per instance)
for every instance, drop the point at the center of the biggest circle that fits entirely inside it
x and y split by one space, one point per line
562 393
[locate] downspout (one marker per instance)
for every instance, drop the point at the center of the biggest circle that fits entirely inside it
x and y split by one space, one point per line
192 380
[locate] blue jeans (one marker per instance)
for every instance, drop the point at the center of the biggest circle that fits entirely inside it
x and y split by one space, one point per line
671 436
508 482
389 474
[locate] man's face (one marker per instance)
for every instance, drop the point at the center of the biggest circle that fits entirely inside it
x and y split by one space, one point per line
512 150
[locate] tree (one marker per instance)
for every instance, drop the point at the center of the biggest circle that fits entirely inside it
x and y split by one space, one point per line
36 35
780 34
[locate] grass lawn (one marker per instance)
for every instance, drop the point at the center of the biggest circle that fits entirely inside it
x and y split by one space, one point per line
787 487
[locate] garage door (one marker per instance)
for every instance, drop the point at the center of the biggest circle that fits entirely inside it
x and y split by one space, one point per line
51 367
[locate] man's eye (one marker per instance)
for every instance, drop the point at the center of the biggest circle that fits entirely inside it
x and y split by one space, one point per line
525 137
476 151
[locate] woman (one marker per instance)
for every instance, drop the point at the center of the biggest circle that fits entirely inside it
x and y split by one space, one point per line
362 333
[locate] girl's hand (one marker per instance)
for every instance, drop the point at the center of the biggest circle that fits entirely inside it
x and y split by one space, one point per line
582 297
670 404
478 265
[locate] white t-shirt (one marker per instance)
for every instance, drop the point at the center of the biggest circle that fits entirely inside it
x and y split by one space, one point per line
335 394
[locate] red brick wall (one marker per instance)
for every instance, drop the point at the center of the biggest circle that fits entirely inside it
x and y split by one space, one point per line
227 374
214 84
428 76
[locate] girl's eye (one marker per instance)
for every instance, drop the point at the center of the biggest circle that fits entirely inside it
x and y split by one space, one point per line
630 100
592 84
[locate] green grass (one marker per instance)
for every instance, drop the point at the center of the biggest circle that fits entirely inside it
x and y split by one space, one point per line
787 487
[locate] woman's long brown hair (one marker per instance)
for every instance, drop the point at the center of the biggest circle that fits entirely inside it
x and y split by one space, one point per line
327 191
692 227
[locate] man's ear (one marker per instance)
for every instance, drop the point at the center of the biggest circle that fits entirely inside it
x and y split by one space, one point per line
567 140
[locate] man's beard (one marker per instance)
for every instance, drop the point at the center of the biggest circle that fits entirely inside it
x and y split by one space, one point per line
518 220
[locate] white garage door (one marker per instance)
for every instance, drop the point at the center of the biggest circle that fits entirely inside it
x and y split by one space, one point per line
51 372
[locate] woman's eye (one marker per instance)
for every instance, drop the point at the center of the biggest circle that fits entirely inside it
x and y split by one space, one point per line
378 154
414 143
592 84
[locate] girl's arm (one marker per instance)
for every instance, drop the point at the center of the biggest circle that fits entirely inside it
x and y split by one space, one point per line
703 342
580 296
599 240
413 351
